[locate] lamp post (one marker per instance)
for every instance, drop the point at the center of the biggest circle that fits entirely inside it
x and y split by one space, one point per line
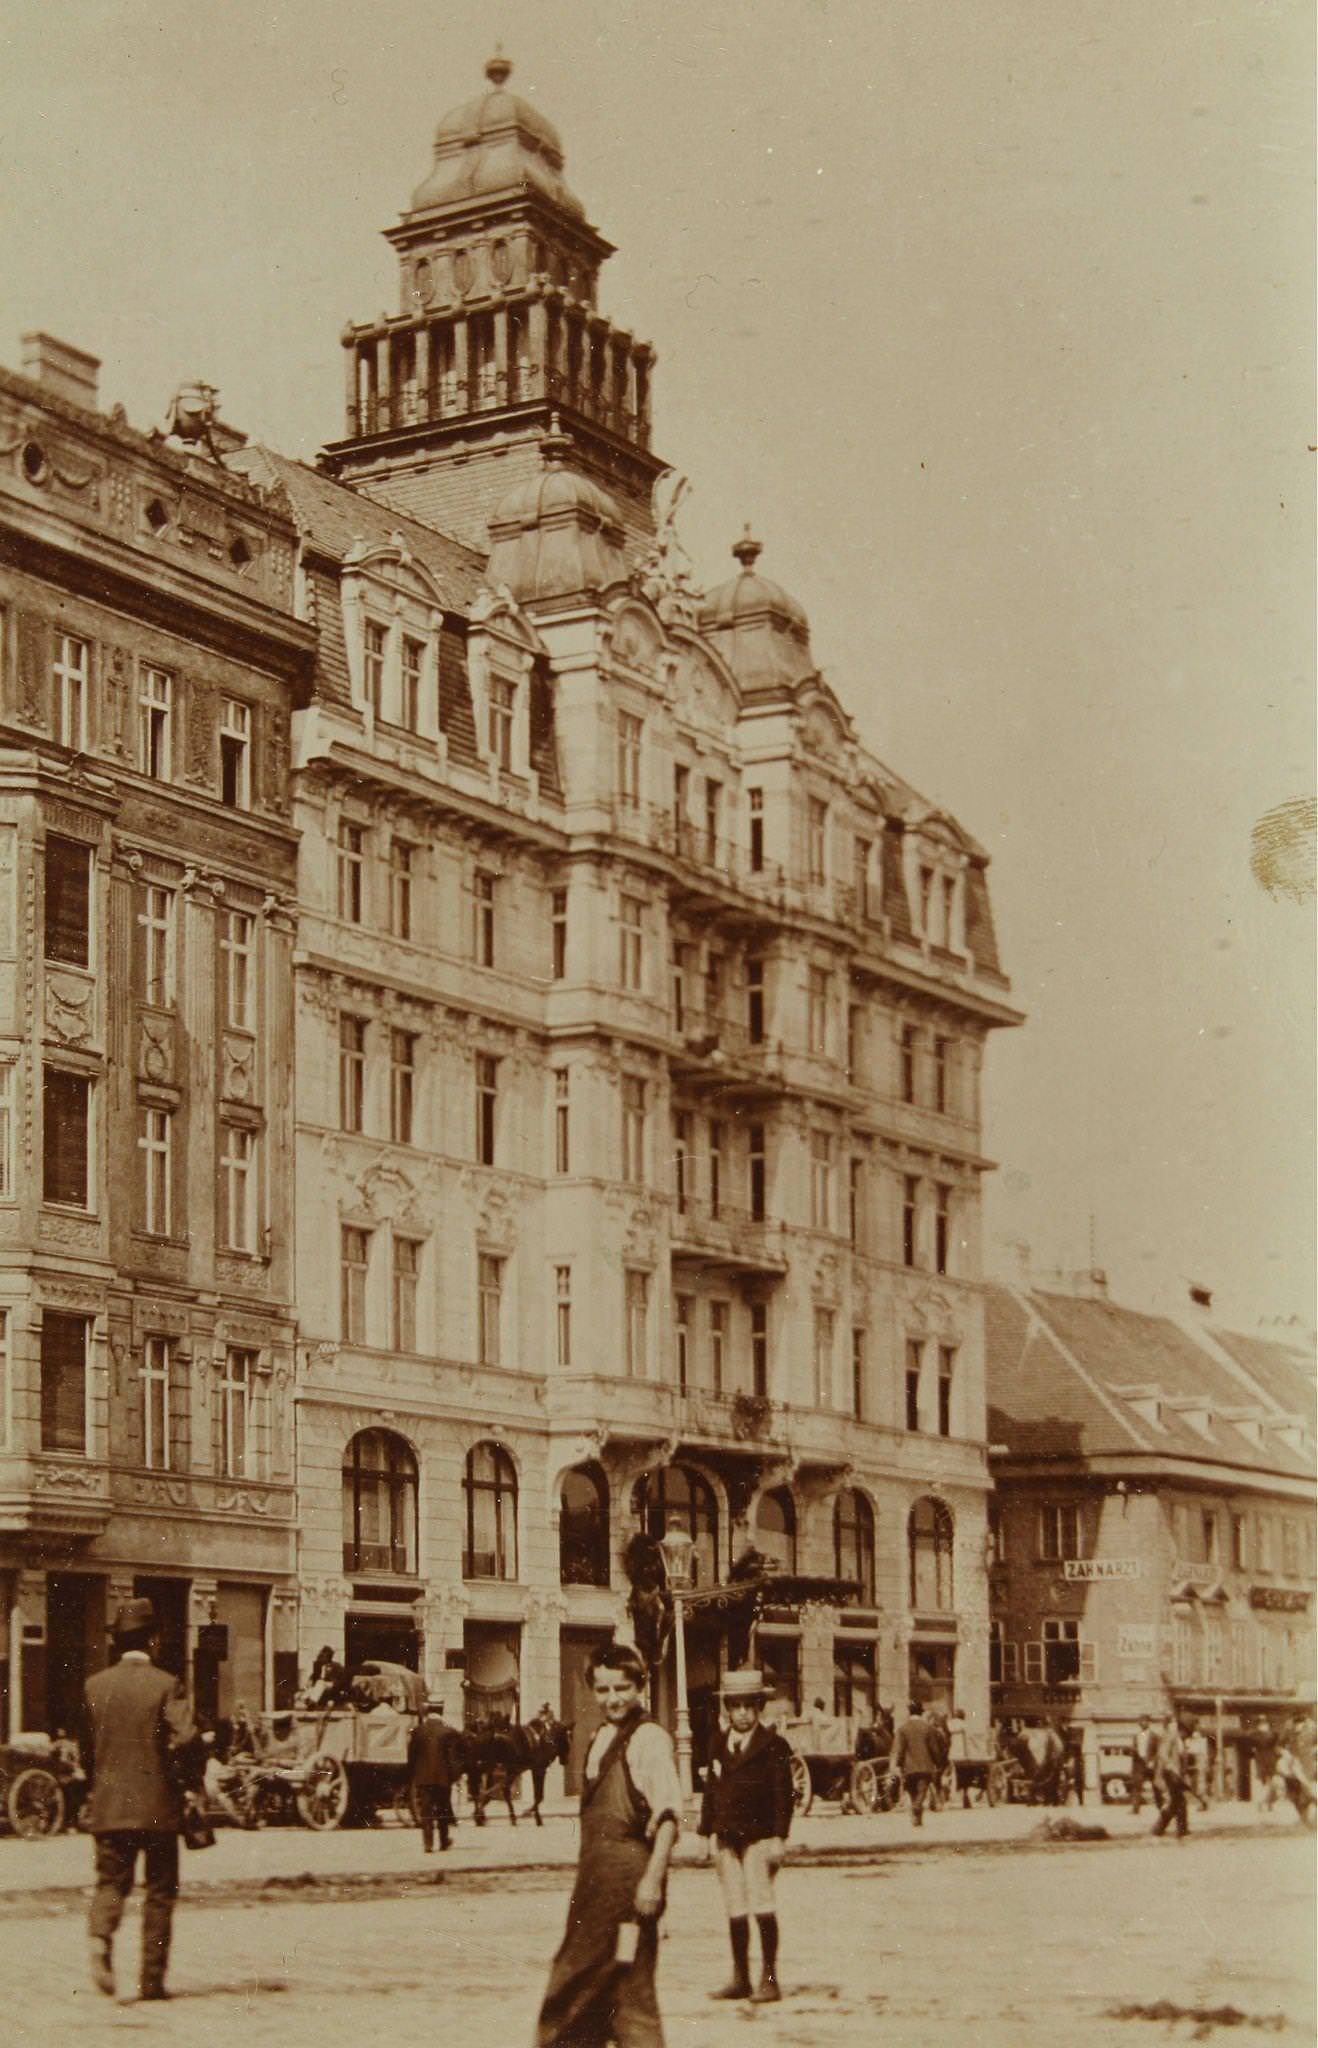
677 1549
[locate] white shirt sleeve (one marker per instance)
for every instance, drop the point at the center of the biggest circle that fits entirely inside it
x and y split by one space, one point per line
653 1769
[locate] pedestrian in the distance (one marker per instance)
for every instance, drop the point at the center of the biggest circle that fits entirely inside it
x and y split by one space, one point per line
1198 1766
601 1988
140 1751
1170 1777
1143 1753
747 1809
434 1760
914 1759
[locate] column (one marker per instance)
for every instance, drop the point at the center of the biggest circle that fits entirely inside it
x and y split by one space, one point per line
367 355
384 409
502 388
462 363
350 383
539 344
424 374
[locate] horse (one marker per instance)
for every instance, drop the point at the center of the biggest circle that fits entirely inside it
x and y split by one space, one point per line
497 1756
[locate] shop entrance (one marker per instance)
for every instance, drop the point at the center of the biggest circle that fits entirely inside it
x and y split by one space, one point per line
576 1646
169 1597
932 1668
492 1687
381 1638
75 1644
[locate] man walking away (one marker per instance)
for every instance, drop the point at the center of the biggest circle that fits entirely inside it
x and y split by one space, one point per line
139 1750
1198 1766
433 1763
914 1759
747 1808
1170 1771
1143 1752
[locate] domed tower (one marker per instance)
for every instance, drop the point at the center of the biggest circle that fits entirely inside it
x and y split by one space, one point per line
761 632
449 398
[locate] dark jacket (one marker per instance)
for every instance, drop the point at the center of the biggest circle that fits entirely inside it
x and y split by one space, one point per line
434 1753
915 1750
139 1747
748 1798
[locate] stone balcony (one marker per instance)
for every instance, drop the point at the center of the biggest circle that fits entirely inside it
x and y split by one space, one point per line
727 1238
46 1494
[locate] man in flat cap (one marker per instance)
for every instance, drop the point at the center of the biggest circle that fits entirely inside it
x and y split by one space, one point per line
139 1750
748 1810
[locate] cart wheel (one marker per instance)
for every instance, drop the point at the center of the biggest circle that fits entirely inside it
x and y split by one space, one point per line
889 1790
324 1797
36 1804
866 1792
996 1784
803 1792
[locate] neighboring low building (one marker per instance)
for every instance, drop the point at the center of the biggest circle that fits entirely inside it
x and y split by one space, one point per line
1153 1539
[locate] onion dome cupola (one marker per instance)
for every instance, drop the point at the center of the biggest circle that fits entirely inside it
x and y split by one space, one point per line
497 325
761 632
557 534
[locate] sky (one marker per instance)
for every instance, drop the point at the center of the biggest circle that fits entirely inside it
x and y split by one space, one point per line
994 318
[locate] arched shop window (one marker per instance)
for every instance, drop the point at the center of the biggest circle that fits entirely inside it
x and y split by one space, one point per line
379 1504
930 1536
490 1486
853 1542
676 1493
583 1527
775 1528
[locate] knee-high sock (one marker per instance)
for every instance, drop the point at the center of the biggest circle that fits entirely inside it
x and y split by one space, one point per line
739 1934
768 1925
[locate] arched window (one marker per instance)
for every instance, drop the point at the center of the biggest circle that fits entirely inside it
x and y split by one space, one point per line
853 1542
490 1485
930 1535
676 1492
583 1527
379 1504
775 1528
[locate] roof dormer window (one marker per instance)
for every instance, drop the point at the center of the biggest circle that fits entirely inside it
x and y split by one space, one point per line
502 712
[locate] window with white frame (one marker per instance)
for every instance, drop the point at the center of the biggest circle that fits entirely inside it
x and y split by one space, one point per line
755 808
718 1345
402 1085
859 1405
502 707
1066 1659
72 676
65 1343
946 1374
760 1348
238 1188
406 1281
490 1307
942 1075
375 641
914 1375
558 934
910 1218
155 705
7 1113
235 754
818 839
713 817
907 1061
637 1287
487 1105
683 1311
817 1010
354 1275
156 919
6 1382
67 1102
563 1317
861 850
855 1198
483 895
1033 1661
155 1141
156 1368
352 1071
821 1173
237 931
1058 1530
681 1159
562 1120
630 730
402 864
633 1127
631 942
237 1401
942 1227
717 1137
824 1324
67 891
413 669
350 858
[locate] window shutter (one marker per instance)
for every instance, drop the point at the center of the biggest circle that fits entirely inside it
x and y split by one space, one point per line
1034 1663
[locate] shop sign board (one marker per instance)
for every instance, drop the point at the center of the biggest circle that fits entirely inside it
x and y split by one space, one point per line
1281 1599
1085 1570
1136 1639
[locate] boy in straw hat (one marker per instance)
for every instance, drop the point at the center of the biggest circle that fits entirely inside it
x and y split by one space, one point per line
748 1810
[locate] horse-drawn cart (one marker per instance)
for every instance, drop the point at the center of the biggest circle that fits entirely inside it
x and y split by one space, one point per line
836 1756
41 1785
352 1760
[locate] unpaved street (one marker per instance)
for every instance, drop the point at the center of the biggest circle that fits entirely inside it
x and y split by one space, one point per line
1027 1948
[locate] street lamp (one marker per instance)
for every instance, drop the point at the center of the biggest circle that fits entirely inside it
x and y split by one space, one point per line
677 1549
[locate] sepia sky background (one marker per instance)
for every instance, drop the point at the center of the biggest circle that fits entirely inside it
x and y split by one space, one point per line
994 317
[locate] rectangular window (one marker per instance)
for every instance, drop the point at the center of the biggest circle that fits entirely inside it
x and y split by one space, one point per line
237 1398
1011 1663
235 754
631 942
630 730
66 1137
853 1041
942 1226
1033 1663
682 1314
861 871
1208 1535
563 1316
760 1348
354 1265
824 1320
941 1099
236 930
483 915
7 1110
927 900
351 870
633 1128
638 1324
487 1098
1061 1651
914 1367
718 1343
682 1158
72 670
855 1198
946 1370
949 911
374 642
1240 1542
1263 1542
414 661
155 697
155 1403
713 813
64 1342
68 871
858 1402
558 934
818 840
562 1125
1059 1530
503 699
757 1160
406 1276
817 1010
713 987
352 1071
491 1308
755 1000
402 1085
910 1218
716 1141
681 802
156 919
908 1062
755 800
401 869
156 1147
821 1164
238 1188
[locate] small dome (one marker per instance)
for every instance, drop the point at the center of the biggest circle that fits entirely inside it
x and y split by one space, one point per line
495 143
762 632
556 534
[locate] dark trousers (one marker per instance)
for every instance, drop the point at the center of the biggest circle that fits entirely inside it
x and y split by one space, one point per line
116 1860
434 1805
1139 1778
1173 1805
918 1785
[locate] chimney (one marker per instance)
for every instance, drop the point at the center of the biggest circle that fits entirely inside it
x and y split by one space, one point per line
1201 1297
65 371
